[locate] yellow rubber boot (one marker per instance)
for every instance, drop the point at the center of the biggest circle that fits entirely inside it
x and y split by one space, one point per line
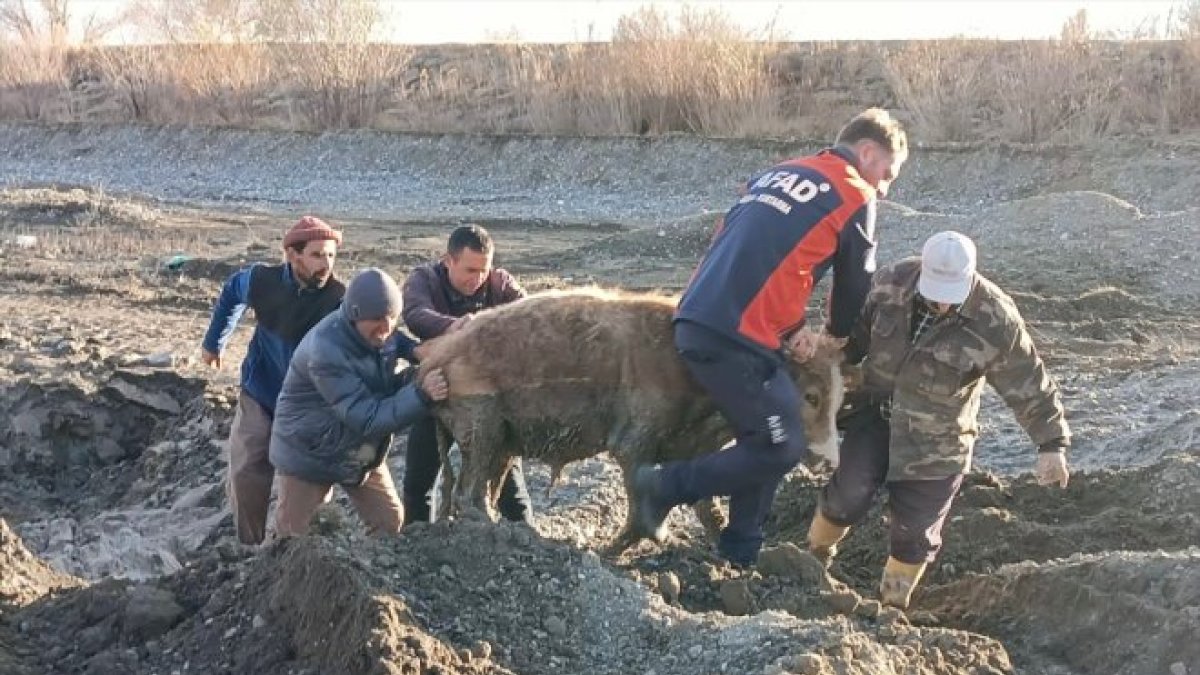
823 538
899 581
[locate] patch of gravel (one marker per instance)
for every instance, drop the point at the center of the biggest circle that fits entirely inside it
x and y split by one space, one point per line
561 179
78 207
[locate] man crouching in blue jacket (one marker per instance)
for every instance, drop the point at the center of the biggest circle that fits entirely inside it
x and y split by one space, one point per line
341 402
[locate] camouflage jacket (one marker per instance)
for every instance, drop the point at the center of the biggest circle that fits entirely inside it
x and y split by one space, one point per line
935 384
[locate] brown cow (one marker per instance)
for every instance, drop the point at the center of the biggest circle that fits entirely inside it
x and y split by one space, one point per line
565 375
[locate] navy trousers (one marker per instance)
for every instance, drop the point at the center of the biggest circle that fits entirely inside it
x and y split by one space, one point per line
758 398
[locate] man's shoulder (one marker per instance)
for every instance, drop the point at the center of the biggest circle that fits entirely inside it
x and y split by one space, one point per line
336 285
262 268
324 338
893 284
499 275
838 171
997 307
504 286
900 272
425 272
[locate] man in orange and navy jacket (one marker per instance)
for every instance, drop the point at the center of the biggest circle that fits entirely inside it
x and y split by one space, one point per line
746 301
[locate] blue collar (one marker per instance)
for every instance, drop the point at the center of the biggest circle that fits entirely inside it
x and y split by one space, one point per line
845 153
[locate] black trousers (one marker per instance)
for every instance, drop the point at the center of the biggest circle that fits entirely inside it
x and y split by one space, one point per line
917 509
421 466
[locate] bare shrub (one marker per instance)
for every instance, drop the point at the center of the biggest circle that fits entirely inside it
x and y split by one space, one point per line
313 64
700 73
1065 91
940 85
33 82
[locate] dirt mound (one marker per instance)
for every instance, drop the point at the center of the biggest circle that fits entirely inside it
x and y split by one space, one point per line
25 578
996 522
300 607
548 607
1112 613
73 207
1073 256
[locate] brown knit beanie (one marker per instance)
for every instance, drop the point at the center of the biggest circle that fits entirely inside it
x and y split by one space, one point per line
311 228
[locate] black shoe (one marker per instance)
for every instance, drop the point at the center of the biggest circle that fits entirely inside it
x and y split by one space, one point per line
652 509
738 557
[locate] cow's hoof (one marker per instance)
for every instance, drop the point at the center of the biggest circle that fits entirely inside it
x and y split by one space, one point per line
473 514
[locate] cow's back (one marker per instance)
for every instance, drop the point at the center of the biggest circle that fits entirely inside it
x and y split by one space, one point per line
587 338
573 373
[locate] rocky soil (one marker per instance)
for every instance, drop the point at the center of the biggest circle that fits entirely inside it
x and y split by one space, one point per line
116 549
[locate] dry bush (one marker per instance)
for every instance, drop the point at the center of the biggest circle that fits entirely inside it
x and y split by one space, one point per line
697 73
700 74
33 82
311 64
1176 72
323 85
939 85
1057 91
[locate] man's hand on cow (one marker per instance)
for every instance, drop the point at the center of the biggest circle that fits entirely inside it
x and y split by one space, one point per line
1052 468
459 323
435 386
210 358
802 345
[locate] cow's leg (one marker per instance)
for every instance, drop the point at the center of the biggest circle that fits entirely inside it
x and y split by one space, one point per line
627 536
629 461
483 459
445 502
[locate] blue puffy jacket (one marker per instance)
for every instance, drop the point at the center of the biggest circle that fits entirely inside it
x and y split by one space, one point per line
341 402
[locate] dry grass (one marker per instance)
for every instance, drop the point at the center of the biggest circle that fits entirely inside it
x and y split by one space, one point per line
697 73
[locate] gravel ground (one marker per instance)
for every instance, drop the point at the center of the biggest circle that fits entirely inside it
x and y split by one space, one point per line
1094 244
627 180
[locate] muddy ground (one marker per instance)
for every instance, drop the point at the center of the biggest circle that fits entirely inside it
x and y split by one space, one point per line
116 547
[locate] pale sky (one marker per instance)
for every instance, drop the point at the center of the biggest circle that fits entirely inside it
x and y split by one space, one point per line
437 21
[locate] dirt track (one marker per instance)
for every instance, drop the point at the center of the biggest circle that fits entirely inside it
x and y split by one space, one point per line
111 434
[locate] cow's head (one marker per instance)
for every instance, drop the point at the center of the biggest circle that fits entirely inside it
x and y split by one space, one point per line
821 389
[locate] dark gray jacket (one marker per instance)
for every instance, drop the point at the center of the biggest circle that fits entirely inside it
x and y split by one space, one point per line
341 402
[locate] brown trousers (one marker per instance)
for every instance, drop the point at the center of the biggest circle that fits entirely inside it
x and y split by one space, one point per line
917 509
250 470
375 500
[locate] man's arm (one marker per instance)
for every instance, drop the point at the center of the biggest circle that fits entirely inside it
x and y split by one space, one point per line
419 314
228 310
402 346
1020 377
859 342
853 266
369 414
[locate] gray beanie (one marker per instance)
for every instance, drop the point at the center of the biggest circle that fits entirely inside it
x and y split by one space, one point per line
372 294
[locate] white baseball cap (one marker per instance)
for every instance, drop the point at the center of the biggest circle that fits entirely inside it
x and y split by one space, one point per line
947 268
